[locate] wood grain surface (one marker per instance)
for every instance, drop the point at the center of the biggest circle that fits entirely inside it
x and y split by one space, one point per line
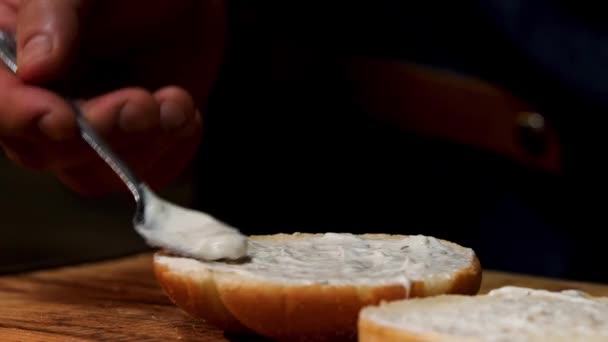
119 300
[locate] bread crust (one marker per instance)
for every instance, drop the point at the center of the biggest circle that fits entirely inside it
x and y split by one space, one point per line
372 332
197 294
293 312
373 328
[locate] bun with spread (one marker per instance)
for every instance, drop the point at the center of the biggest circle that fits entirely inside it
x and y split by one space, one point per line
507 314
301 287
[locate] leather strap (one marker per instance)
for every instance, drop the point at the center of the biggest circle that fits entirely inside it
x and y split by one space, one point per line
456 108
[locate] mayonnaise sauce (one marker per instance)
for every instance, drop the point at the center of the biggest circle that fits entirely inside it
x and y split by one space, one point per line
188 232
337 259
504 315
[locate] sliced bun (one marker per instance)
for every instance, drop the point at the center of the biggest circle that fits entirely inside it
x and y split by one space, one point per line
507 314
305 287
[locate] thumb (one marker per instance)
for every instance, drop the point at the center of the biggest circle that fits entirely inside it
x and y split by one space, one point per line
46 36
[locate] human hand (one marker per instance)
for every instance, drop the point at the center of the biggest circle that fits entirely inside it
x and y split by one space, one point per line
140 69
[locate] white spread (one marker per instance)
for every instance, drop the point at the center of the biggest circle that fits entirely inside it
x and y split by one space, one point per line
504 315
188 232
336 259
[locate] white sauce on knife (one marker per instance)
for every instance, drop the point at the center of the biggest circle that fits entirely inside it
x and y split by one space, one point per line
336 259
504 315
188 232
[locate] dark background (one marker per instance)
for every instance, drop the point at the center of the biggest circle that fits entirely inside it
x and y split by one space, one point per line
284 150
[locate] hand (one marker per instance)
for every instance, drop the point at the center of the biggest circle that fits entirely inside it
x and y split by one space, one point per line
141 69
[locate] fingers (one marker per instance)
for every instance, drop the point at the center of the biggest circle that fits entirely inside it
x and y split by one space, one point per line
179 156
128 110
176 108
32 112
128 114
56 146
158 163
129 119
8 16
22 153
46 35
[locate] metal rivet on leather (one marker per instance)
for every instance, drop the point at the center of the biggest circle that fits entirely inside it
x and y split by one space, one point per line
531 133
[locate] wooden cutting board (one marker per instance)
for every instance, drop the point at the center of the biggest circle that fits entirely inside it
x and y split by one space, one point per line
119 300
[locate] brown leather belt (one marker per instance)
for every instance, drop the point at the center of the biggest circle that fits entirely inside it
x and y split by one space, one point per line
456 108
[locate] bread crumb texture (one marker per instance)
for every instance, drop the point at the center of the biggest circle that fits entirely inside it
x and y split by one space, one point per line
311 287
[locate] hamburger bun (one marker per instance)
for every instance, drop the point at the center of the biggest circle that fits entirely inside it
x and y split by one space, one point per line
305 287
506 314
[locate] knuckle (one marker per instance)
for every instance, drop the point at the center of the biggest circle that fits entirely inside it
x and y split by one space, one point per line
24 154
139 94
12 124
25 161
181 95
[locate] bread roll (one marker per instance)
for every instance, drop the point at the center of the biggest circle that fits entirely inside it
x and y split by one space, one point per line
305 287
508 314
